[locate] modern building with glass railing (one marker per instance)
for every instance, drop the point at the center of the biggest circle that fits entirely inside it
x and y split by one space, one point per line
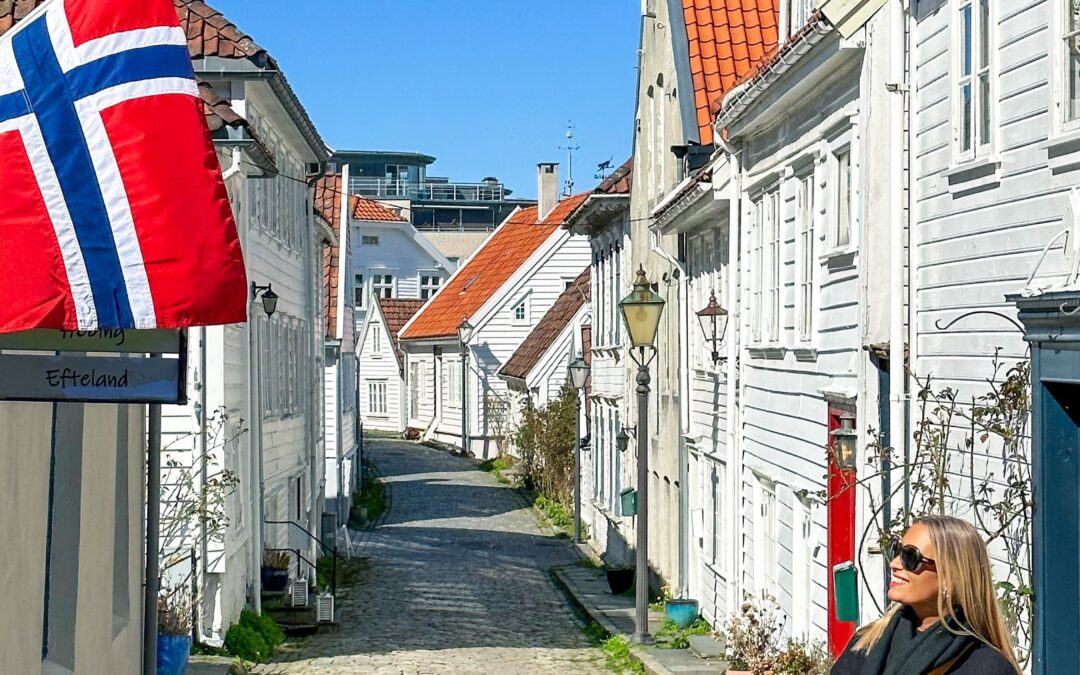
432 204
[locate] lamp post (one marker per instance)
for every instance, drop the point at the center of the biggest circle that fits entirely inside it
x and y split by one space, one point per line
465 334
641 311
579 374
714 320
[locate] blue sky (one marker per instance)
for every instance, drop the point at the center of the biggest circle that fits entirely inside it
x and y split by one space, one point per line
485 87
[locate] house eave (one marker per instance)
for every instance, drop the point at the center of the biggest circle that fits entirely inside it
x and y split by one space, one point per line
597 214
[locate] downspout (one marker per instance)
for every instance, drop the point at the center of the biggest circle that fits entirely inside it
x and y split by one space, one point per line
203 385
684 415
314 417
255 457
912 252
235 167
735 325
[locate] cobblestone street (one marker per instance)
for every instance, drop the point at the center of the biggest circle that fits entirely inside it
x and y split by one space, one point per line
458 582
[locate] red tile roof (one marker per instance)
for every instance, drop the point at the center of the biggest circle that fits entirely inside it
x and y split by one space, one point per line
488 269
209 33
327 204
397 312
728 39
367 209
540 340
620 180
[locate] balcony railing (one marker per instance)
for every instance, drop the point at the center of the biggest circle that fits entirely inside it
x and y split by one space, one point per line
443 192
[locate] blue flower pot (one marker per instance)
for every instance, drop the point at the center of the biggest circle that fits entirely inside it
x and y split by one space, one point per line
682 612
172 654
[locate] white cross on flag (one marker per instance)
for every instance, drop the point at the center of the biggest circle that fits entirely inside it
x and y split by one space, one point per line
113 212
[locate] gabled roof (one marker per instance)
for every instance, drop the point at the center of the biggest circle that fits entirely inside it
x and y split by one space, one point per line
541 339
209 33
327 205
728 39
619 182
396 312
488 269
367 209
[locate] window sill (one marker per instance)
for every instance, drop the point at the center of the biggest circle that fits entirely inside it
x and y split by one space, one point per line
767 352
1063 151
981 173
805 353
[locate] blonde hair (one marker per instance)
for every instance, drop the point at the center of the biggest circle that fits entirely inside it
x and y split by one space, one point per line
965 583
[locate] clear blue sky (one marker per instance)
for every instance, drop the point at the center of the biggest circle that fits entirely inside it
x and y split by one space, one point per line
485 87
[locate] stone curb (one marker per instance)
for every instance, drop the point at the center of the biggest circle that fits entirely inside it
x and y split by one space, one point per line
651 665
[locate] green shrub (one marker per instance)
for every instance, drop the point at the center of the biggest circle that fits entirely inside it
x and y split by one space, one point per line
246 643
265 626
670 636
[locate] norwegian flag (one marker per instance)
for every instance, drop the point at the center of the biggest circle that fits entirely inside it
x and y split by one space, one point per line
113 211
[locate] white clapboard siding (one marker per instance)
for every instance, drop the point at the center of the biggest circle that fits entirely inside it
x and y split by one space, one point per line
377 367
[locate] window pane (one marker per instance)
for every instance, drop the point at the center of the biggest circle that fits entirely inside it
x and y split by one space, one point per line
984 108
843 199
984 33
1072 46
965 36
965 116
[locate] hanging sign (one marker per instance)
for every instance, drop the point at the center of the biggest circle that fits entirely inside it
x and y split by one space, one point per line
109 366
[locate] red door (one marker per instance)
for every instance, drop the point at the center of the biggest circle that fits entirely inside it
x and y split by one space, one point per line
841 517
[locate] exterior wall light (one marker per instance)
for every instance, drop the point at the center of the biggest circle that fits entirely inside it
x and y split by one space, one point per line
714 320
844 441
269 297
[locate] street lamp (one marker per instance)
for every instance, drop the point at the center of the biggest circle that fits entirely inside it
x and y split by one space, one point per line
269 297
845 440
641 311
714 320
579 375
622 440
465 334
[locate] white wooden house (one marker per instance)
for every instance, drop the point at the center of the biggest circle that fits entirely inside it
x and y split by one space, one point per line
502 289
604 219
340 424
255 389
382 364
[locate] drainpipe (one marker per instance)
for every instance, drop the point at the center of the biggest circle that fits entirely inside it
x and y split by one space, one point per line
236 166
203 401
913 248
735 326
897 376
255 458
684 414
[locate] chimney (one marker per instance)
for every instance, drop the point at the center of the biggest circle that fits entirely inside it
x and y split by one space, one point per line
547 189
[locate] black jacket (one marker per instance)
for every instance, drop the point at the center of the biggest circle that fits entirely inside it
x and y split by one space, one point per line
982 660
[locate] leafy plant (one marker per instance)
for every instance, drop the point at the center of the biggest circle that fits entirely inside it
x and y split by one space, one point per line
802 657
619 657
246 643
670 636
265 626
276 560
369 503
754 635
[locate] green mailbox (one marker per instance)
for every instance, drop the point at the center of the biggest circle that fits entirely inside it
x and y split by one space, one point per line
628 501
846 591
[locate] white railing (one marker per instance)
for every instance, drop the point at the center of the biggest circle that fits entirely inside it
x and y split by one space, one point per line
403 189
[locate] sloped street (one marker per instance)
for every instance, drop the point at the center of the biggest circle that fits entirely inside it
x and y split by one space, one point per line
458 582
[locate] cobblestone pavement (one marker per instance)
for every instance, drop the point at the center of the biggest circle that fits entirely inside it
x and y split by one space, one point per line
458 583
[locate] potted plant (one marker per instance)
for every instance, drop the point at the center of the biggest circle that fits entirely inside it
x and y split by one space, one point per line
174 634
620 578
275 571
683 611
754 636
802 657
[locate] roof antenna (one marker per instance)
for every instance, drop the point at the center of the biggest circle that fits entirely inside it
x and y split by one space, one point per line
568 186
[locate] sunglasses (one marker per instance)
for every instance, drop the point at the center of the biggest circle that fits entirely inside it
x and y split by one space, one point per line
911 558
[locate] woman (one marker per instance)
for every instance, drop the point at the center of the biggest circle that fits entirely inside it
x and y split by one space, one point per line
945 617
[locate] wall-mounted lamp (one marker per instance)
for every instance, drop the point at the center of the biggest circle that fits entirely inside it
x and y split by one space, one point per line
714 320
844 441
269 297
622 439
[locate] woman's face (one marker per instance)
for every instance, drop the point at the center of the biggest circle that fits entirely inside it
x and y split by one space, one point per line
919 589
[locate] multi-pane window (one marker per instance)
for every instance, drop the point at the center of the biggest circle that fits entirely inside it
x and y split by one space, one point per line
520 311
358 290
841 235
801 568
776 264
973 84
1072 59
717 477
757 258
765 258
376 340
429 285
414 390
376 397
798 14
766 563
283 365
382 285
453 382
804 244
369 240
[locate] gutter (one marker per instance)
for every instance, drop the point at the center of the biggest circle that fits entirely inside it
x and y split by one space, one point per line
747 93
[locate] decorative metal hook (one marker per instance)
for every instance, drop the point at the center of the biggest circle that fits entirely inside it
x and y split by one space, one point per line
937 324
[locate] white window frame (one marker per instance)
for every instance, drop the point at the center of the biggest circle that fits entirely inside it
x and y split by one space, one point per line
379 283
806 259
359 292
766 262
981 101
802 566
432 286
415 377
376 341
523 303
376 403
756 263
718 526
766 550
1063 121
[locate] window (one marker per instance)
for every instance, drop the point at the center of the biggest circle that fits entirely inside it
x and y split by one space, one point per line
718 477
757 222
376 397
766 259
453 382
804 258
429 285
1071 35
802 552
776 264
414 390
382 285
798 14
520 312
358 290
765 564
369 240
376 340
841 235
973 84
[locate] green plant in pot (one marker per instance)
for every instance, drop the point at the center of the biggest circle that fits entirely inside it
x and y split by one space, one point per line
275 571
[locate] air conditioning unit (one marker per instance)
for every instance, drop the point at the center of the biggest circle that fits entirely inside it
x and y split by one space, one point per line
298 593
324 608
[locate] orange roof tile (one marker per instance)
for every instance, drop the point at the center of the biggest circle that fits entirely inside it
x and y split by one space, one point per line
396 312
327 204
488 269
620 180
366 209
327 200
727 40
